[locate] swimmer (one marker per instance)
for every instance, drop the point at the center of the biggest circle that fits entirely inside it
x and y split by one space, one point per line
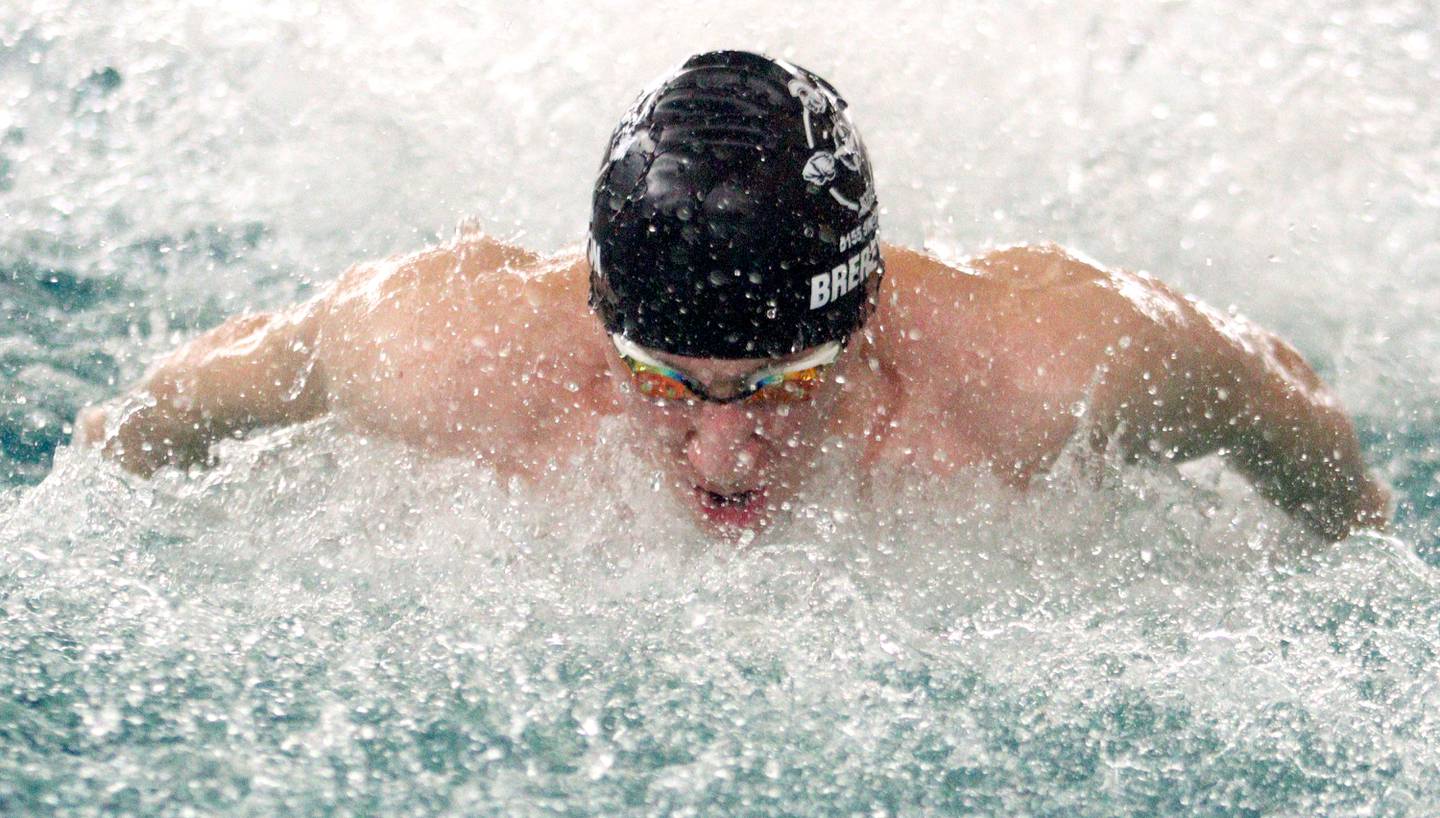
730 304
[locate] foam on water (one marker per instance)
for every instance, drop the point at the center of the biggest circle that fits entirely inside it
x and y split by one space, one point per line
327 624
320 622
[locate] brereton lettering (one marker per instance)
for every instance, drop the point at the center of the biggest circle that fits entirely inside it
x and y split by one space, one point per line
834 284
819 291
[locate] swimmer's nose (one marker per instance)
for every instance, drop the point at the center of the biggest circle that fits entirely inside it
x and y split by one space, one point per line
724 447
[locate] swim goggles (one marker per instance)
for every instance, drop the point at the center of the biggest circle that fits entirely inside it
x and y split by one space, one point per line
796 382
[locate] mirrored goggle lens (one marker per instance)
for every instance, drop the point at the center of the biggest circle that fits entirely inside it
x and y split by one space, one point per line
792 387
655 385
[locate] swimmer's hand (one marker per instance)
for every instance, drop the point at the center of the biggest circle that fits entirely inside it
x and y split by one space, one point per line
135 442
251 371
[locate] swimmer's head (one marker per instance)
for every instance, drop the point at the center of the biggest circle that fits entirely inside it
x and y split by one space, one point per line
734 215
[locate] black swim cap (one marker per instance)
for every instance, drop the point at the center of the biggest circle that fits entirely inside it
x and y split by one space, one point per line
734 215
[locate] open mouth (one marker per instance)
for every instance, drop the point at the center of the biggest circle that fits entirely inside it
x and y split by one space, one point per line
729 500
742 509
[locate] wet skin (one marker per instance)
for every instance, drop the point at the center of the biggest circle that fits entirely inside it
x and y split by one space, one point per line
481 349
737 465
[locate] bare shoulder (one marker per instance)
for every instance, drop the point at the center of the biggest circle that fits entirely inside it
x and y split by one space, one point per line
1132 348
423 346
1057 293
422 276
1020 334
918 279
1074 311
463 285
918 284
1037 266
979 301
1016 345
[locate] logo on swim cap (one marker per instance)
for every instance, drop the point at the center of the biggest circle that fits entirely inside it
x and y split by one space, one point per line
820 168
727 192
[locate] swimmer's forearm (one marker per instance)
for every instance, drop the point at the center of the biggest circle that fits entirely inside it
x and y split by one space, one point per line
251 371
1215 381
1289 434
1302 453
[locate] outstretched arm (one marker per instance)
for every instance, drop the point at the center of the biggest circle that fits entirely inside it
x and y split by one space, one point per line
378 345
252 370
1194 380
1288 433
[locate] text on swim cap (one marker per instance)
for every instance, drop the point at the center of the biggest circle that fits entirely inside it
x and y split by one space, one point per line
861 232
843 278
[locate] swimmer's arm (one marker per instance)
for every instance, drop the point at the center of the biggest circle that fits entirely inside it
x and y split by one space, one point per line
1199 381
251 371
334 353
1287 432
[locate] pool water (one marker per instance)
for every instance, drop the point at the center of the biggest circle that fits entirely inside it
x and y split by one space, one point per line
326 624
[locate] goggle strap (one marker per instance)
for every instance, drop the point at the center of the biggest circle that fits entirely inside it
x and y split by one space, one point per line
630 350
824 355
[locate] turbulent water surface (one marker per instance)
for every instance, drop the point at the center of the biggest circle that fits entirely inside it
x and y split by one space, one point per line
330 625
